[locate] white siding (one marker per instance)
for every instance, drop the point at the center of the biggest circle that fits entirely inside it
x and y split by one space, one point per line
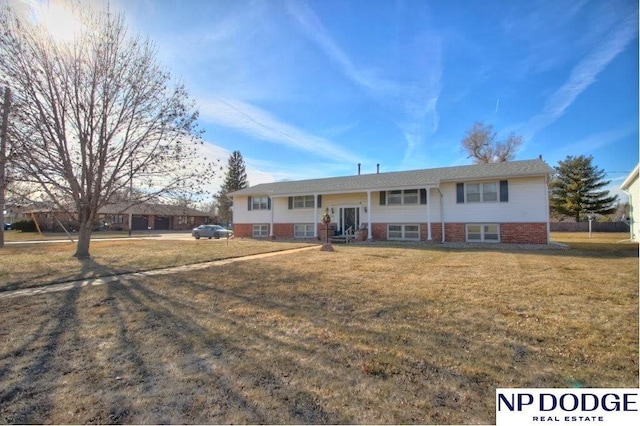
526 204
242 215
282 213
634 206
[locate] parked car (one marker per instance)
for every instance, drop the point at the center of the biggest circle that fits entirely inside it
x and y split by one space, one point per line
209 231
6 226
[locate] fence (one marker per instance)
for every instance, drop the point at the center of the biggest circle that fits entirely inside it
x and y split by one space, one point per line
584 227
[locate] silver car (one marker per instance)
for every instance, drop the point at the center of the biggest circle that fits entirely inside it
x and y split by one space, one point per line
209 231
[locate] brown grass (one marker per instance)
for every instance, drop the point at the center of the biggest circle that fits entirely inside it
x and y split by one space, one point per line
33 265
378 333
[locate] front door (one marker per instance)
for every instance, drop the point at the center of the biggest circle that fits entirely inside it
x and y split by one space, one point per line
349 218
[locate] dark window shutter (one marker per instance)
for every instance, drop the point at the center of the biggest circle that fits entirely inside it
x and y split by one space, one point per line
459 192
423 196
268 203
504 191
383 198
249 204
290 203
319 201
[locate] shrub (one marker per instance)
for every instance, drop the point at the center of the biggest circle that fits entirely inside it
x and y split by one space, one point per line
24 226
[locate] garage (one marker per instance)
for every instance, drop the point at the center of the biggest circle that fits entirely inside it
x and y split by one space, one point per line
139 223
162 222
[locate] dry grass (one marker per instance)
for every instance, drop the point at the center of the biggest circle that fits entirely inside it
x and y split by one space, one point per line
367 334
32 265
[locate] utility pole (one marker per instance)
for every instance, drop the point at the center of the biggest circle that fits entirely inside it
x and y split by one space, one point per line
4 134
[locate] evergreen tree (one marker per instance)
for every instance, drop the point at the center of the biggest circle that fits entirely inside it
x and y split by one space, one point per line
234 180
576 189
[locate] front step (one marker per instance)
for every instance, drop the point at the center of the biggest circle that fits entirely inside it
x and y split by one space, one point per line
341 239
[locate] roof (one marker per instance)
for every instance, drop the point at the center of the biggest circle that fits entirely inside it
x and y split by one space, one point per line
150 208
400 180
126 208
632 177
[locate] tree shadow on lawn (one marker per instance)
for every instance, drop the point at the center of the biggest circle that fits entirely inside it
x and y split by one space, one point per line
227 345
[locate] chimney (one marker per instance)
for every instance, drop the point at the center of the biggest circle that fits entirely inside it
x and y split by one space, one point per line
378 168
358 169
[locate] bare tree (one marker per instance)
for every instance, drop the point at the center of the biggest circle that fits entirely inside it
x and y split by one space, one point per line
481 144
97 116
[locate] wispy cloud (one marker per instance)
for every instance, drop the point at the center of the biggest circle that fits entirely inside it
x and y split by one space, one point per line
262 125
592 143
413 104
585 73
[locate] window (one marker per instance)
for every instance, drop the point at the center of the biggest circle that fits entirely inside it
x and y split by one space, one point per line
483 233
301 202
304 230
260 231
260 203
117 218
402 197
403 232
482 192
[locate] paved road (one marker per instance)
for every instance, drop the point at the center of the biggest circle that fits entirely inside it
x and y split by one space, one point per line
137 236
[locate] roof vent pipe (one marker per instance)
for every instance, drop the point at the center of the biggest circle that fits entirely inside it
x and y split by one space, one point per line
378 168
358 169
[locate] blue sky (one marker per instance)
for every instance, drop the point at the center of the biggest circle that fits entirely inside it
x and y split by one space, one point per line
307 89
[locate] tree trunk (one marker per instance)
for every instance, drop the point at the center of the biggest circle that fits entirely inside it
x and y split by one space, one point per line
84 238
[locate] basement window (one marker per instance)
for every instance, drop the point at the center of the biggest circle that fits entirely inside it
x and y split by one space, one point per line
483 233
303 230
260 231
409 232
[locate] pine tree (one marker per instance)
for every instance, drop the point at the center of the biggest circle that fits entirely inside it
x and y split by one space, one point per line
576 189
234 180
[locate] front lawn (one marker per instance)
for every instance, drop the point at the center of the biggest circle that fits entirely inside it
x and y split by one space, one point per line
377 333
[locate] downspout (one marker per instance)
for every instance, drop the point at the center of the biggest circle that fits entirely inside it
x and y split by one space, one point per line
441 213
369 213
428 195
273 205
315 216
546 181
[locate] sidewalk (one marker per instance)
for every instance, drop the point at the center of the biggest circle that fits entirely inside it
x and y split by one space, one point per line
92 282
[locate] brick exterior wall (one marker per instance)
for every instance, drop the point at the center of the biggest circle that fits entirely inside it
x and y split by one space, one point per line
523 233
512 233
283 230
454 233
242 230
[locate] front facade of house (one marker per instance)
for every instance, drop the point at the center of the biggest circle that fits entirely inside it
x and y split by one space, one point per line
497 202
632 188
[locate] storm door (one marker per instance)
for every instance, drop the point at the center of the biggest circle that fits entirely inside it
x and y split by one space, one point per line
349 218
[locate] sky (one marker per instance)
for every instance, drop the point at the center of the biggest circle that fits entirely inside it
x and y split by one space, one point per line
309 89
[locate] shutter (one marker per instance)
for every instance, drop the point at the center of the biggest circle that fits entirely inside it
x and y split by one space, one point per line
504 191
423 196
459 193
290 203
268 203
249 204
319 201
383 198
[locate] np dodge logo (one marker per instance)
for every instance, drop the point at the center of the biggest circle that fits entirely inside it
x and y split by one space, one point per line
567 406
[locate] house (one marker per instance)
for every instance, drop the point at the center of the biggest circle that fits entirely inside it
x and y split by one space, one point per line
632 189
497 202
120 217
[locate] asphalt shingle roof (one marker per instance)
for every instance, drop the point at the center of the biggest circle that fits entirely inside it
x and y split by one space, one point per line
391 180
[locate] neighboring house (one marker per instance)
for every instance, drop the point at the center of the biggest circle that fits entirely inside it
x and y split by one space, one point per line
632 188
497 202
122 217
